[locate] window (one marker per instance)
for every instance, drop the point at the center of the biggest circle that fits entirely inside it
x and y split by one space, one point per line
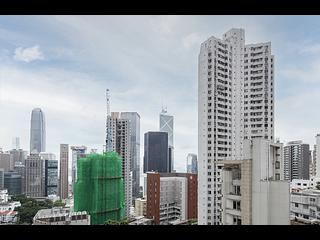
296 205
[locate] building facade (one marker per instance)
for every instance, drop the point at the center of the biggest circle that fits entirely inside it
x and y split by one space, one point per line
120 136
254 191
134 121
6 161
235 102
20 168
77 152
192 163
37 131
34 176
61 216
12 182
63 181
51 177
166 125
296 160
140 207
171 197
156 153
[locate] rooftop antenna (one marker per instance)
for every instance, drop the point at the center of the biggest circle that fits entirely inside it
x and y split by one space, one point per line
108 124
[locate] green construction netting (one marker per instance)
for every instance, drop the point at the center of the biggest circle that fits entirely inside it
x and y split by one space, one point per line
99 188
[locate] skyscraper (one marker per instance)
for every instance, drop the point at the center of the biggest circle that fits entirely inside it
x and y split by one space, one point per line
235 102
156 154
192 163
296 160
34 177
64 158
50 174
77 152
166 125
316 159
134 122
120 136
37 131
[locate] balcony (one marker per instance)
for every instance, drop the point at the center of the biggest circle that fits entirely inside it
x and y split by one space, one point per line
233 196
233 212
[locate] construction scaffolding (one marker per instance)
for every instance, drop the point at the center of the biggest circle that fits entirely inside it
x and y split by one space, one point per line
99 187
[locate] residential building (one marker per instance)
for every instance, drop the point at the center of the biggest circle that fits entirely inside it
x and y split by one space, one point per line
8 217
312 171
304 183
34 176
64 158
235 102
140 207
254 191
134 121
316 156
166 125
192 163
61 216
120 136
305 204
156 154
37 131
12 182
77 153
171 196
296 160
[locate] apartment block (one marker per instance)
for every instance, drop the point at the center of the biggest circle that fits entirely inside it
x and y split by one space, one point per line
235 102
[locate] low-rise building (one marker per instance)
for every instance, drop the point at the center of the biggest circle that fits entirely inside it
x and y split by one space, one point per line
141 220
61 216
3 195
305 205
8 217
304 184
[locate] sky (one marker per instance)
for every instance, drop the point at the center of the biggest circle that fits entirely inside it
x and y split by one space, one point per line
63 64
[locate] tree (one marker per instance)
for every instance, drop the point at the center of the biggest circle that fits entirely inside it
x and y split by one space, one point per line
59 203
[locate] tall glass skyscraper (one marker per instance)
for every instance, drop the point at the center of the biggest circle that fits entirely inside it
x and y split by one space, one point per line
37 131
166 125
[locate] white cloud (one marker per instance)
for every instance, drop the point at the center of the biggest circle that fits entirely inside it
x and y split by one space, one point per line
28 54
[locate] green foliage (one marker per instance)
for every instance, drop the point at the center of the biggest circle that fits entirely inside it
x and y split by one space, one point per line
59 203
29 208
113 222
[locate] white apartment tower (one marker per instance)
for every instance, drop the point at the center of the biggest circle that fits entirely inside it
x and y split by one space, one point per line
235 102
120 134
316 157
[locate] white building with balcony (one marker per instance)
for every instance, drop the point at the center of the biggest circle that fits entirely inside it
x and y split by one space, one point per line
253 189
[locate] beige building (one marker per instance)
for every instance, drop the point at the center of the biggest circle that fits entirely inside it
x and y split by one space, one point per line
64 158
140 207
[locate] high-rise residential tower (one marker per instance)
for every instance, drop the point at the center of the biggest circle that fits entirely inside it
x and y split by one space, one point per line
235 102
192 163
316 157
156 154
120 136
64 158
166 125
37 131
134 121
77 153
296 160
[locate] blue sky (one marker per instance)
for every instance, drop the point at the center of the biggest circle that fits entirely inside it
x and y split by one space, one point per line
63 64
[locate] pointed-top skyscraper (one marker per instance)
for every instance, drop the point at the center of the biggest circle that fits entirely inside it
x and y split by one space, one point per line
37 131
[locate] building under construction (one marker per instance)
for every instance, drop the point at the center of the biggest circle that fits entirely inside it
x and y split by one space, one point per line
99 187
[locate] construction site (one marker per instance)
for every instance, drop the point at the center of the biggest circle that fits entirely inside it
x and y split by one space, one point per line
99 188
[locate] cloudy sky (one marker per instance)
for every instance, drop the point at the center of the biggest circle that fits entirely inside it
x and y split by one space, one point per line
63 64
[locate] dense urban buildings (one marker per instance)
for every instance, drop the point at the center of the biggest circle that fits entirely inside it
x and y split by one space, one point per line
296 160
120 138
37 131
64 158
171 197
235 102
99 187
6 161
166 125
35 184
51 181
77 152
316 156
140 207
1 178
156 154
192 163
61 216
254 191
304 183
20 168
134 122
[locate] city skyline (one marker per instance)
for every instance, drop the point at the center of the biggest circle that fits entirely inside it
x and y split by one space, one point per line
66 77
